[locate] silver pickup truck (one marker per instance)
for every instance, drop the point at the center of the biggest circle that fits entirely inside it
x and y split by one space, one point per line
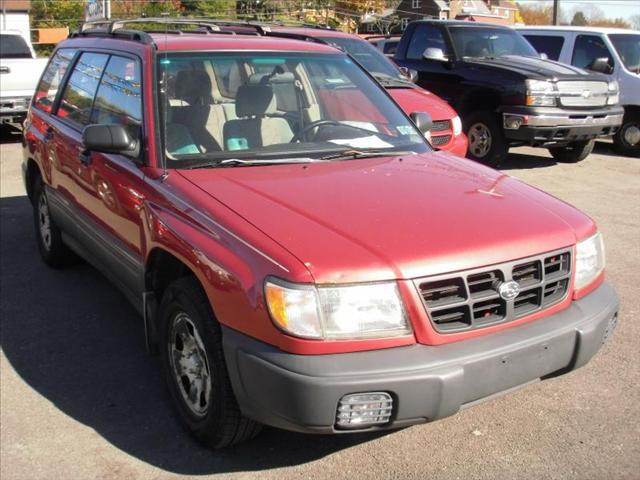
20 71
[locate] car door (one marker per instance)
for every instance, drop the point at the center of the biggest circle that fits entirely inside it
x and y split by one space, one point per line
103 192
437 76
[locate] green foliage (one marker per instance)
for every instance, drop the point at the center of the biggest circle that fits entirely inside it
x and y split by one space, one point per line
57 13
209 8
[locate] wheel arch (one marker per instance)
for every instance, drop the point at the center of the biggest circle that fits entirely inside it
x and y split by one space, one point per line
32 172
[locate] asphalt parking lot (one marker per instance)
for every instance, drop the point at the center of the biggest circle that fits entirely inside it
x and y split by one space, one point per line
80 398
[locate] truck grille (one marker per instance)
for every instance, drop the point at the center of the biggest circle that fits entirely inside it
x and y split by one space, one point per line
469 300
583 94
440 126
437 140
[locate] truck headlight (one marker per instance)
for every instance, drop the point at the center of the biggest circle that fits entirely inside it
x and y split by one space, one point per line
540 93
614 93
341 312
456 124
589 260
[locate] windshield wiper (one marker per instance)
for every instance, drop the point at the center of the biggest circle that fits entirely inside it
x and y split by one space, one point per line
229 162
385 79
352 154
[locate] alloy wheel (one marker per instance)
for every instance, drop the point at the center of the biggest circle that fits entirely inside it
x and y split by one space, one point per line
44 221
479 140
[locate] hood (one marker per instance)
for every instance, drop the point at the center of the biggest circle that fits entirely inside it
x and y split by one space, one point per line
537 68
419 100
393 218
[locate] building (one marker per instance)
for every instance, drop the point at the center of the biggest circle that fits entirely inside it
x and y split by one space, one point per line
488 11
14 15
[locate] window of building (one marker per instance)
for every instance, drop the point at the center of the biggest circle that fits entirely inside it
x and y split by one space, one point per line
415 4
77 98
550 45
48 87
404 23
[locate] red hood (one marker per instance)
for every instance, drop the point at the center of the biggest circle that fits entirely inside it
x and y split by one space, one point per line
384 218
419 100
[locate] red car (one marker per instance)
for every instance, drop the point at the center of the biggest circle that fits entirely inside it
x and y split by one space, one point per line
446 132
298 262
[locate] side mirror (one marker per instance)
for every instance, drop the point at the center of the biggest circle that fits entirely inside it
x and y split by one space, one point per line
544 56
409 74
422 120
109 139
435 54
600 65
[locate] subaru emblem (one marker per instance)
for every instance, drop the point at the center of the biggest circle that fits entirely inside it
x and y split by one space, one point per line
509 290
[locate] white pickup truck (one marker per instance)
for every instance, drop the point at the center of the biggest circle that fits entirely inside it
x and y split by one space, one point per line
20 71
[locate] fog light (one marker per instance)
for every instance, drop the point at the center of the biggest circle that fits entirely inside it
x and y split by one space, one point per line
362 410
513 122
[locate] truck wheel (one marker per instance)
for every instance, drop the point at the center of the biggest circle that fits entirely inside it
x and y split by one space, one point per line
574 152
48 236
626 141
486 140
194 367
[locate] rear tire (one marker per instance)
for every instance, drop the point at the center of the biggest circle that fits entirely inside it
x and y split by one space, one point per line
574 152
195 370
626 141
486 140
52 248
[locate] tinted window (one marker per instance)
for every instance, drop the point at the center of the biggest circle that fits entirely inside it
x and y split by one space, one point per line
589 48
390 47
628 48
366 54
48 86
77 98
118 99
552 46
479 42
426 36
14 46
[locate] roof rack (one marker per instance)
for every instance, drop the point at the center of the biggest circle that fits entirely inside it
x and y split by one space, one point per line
112 25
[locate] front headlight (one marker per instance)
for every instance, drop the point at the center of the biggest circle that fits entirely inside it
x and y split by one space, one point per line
614 93
589 260
540 93
456 124
353 311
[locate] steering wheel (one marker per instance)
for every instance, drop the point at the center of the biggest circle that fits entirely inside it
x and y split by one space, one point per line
311 126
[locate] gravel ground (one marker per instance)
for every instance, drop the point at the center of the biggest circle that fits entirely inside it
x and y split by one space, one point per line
81 399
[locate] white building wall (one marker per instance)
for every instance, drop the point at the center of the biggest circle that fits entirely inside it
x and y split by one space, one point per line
16 21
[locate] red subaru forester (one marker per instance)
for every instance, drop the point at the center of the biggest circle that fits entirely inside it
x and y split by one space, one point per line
299 255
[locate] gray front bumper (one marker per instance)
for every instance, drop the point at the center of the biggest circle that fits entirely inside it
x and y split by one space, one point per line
301 392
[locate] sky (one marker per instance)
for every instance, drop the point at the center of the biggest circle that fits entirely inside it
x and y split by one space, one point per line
611 8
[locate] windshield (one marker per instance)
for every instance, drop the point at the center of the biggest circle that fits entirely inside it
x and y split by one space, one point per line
367 55
14 46
480 42
263 105
628 48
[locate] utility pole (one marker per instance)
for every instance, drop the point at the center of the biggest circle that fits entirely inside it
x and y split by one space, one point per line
556 11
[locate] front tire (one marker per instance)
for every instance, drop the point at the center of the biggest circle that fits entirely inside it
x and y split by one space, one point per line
195 370
52 248
486 140
574 152
626 141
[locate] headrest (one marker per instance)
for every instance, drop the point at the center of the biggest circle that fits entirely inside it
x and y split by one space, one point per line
266 78
255 100
194 86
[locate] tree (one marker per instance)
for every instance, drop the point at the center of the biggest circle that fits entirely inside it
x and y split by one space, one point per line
579 19
209 8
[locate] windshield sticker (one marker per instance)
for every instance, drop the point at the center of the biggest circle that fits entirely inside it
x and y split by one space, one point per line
405 129
363 142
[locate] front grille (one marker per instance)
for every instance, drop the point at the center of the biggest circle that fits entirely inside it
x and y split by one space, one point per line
583 94
469 300
440 126
438 140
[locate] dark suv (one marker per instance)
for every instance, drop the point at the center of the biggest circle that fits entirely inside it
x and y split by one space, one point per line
506 94
299 254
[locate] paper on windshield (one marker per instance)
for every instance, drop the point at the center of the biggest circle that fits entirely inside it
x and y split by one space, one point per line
371 141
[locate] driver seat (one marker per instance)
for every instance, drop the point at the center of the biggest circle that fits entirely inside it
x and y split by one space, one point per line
256 126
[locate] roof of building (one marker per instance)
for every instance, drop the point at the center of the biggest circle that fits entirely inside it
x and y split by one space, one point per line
15 5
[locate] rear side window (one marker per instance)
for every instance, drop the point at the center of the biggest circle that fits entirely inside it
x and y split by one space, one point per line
426 36
551 45
77 98
50 82
118 100
390 48
14 46
589 48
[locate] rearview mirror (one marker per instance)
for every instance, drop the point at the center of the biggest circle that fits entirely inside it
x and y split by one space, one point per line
422 120
109 139
409 74
435 54
600 65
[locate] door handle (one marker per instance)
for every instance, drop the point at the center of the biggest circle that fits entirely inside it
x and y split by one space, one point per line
85 157
48 134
